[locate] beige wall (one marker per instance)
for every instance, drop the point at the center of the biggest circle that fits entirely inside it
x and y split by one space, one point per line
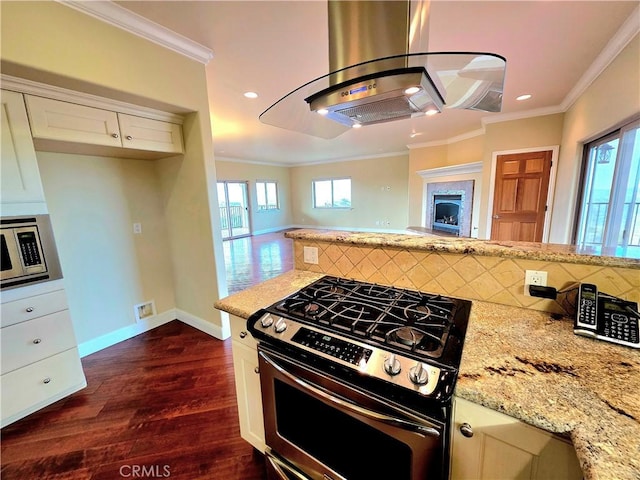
612 98
378 194
458 153
50 43
93 202
261 221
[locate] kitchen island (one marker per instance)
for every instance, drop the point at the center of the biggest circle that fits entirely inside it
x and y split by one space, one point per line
527 365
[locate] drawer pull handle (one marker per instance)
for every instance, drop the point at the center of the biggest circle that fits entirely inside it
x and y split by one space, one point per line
129 137
466 430
243 334
47 380
37 341
29 309
257 370
115 135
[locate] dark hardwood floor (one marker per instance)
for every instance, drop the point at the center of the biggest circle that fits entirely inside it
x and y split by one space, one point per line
251 260
159 405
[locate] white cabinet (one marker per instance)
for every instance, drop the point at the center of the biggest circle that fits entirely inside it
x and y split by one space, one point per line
247 378
74 125
39 355
499 447
21 189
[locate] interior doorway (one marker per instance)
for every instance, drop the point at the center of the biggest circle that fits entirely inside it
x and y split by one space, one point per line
521 196
233 202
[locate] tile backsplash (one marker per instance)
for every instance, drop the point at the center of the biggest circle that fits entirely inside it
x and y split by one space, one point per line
475 277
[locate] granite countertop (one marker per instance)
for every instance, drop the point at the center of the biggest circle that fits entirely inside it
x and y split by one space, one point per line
527 365
527 250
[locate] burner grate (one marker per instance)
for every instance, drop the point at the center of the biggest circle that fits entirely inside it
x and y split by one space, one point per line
399 319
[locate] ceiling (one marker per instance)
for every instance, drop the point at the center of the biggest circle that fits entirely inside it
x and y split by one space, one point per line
552 51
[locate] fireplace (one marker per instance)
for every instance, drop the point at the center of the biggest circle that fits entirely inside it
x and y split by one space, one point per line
446 213
448 207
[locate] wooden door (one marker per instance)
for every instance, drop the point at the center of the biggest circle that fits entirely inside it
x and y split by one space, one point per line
519 202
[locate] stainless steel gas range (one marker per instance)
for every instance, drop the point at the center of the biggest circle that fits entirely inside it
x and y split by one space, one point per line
357 380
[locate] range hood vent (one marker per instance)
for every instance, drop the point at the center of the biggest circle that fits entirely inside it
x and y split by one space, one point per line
381 98
375 77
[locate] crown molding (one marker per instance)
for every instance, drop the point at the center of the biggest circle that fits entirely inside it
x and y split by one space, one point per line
448 141
120 17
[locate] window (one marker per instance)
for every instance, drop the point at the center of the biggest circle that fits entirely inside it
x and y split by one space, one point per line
609 219
267 195
332 193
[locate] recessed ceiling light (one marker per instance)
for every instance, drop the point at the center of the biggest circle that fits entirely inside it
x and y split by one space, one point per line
356 125
526 96
322 111
251 94
415 134
433 111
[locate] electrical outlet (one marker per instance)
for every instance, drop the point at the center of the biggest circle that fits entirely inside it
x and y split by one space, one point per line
310 255
137 228
534 277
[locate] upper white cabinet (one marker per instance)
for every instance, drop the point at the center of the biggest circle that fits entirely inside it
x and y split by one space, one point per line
21 188
73 124
490 445
69 122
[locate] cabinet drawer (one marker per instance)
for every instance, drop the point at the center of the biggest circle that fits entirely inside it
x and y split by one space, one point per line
240 333
33 307
56 120
38 384
148 134
28 342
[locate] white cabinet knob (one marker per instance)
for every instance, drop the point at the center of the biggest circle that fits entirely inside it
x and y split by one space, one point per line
47 380
36 341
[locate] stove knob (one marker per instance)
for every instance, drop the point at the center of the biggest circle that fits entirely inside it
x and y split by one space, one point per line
419 374
280 325
392 365
266 321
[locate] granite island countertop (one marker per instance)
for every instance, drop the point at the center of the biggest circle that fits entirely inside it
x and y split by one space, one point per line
527 365
469 246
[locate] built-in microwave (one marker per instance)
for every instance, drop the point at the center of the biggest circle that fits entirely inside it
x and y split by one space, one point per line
28 251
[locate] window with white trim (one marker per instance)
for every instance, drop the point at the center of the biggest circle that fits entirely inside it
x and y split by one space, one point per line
267 195
609 210
332 193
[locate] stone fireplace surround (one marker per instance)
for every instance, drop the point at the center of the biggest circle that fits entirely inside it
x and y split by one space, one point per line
462 188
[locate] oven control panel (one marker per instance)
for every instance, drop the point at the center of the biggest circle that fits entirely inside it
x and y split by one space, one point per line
421 377
333 346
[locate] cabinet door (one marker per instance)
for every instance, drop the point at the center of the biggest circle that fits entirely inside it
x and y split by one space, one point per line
245 366
503 448
20 175
68 122
147 134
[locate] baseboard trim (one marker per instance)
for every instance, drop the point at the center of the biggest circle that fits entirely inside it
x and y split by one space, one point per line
201 324
125 333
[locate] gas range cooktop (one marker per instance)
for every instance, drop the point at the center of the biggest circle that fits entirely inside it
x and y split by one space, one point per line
406 338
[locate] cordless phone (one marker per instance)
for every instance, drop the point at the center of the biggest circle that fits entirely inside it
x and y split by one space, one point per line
606 317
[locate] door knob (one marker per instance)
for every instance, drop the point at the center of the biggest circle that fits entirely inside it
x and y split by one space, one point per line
496 216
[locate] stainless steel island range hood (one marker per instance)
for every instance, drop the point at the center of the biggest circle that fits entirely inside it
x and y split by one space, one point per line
376 77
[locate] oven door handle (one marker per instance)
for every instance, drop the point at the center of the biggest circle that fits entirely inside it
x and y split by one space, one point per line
365 412
282 469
